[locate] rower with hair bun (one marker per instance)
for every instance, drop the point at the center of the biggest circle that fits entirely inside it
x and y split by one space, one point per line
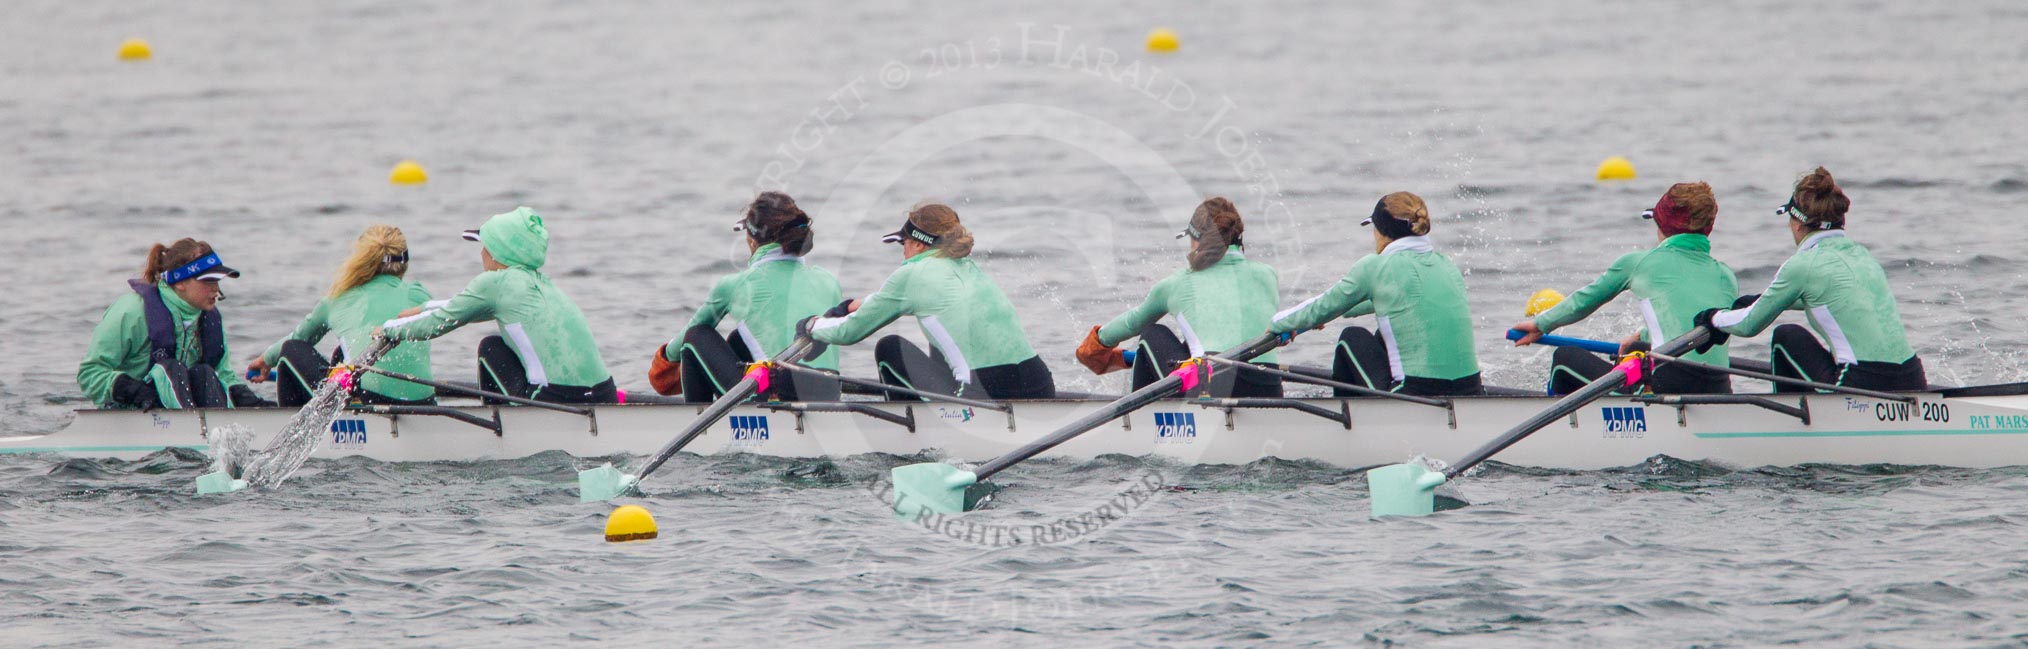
162 344
1843 292
976 337
1424 344
776 290
1221 301
1672 282
369 291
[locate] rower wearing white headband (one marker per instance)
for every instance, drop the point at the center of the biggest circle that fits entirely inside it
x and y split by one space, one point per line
1417 297
1221 301
368 292
977 338
1842 290
162 344
765 300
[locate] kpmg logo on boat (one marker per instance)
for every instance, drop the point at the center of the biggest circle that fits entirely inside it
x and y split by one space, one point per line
749 429
1175 427
348 433
1625 421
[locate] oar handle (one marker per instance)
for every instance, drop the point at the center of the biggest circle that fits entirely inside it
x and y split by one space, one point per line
734 396
1569 404
1598 346
1133 401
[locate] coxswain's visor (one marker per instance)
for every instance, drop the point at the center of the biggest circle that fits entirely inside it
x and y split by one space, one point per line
909 231
204 269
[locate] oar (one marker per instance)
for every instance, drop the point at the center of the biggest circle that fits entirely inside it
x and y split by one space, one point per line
942 488
482 394
607 482
298 439
1613 349
1772 378
1409 489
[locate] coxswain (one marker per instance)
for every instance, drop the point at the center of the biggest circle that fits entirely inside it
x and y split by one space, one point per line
162 344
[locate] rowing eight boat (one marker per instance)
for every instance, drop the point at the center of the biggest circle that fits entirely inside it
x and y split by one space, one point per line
1953 428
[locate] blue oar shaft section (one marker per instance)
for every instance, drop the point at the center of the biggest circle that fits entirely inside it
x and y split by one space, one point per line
1596 346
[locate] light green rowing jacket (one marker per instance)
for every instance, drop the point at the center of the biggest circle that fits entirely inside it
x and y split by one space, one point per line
1843 291
1226 305
765 302
961 311
119 345
543 326
1673 282
1419 298
353 315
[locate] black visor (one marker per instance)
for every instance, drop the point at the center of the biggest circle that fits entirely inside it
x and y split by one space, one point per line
909 231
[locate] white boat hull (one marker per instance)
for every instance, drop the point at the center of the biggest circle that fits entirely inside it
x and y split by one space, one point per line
1974 432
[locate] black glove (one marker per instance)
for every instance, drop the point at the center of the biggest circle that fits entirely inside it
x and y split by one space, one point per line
803 331
1745 301
803 326
136 393
243 396
843 309
1703 319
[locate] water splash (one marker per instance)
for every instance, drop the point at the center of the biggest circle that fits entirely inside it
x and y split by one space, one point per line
231 447
298 440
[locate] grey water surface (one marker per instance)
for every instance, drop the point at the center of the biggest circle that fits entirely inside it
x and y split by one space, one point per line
639 130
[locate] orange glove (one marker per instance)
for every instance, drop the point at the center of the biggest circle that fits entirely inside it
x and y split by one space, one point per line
1098 357
664 374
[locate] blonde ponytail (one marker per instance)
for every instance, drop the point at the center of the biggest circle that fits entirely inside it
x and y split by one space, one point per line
380 250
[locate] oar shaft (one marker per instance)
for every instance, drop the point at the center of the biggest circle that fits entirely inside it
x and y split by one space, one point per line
1772 378
473 392
932 396
1127 404
734 396
1569 404
1304 378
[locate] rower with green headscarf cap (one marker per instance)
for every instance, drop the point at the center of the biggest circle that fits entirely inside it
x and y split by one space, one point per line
544 349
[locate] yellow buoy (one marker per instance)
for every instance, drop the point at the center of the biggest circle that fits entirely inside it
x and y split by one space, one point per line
1616 168
407 172
1162 40
1542 300
629 523
135 49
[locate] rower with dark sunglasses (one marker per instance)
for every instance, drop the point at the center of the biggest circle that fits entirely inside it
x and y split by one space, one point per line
1843 292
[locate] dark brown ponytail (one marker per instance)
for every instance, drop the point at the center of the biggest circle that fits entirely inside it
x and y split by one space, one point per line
1218 225
773 217
161 258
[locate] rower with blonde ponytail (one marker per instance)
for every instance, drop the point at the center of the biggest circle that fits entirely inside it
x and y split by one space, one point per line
368 291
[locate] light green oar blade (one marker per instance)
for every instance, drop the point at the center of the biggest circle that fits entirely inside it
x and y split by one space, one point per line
218 482
603 483
1403 490
934 486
